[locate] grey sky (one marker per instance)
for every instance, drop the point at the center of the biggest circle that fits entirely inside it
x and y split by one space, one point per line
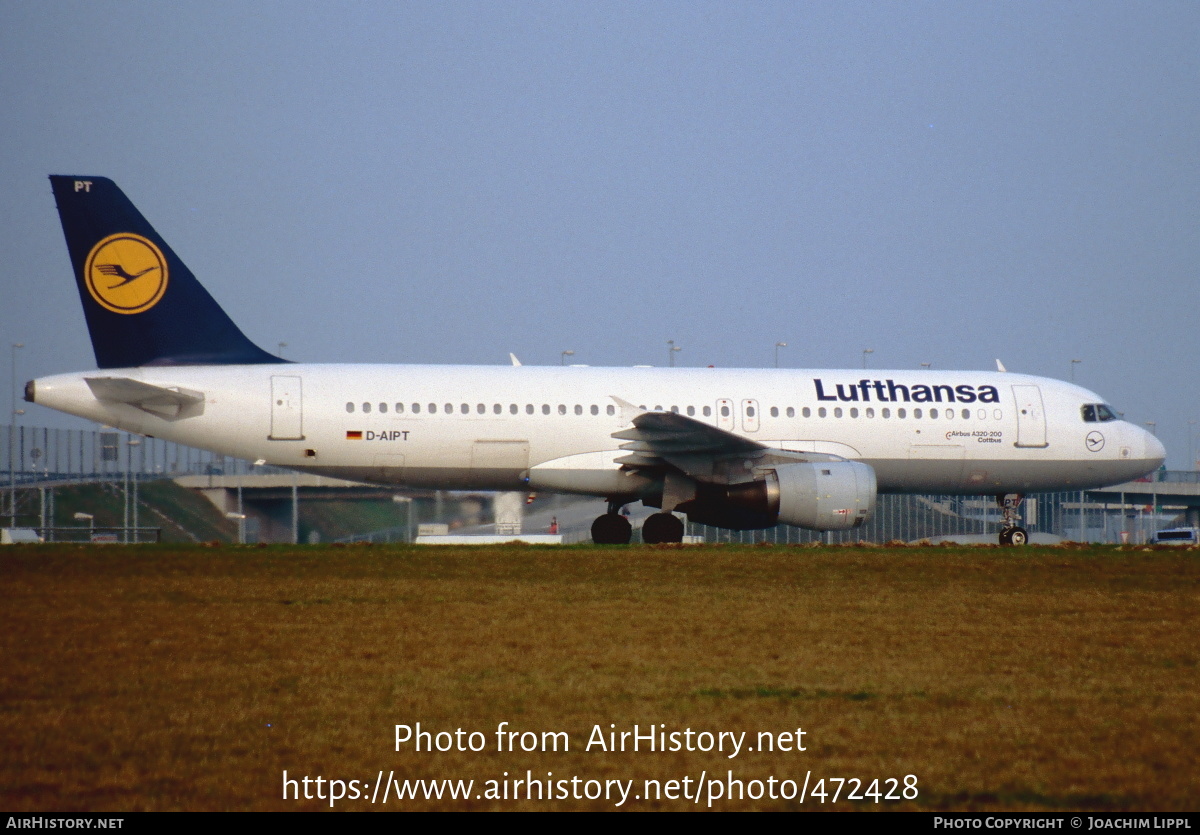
448 182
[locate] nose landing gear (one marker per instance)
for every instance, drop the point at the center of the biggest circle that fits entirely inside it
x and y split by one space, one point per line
1010 532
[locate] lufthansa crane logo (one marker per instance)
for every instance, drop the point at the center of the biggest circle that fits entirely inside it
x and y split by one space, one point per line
126 273
1095 441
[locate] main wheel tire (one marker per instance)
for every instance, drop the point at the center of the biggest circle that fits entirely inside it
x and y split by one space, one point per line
662 527
611 529
1018 536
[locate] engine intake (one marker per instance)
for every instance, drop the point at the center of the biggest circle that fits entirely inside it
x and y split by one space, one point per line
834 496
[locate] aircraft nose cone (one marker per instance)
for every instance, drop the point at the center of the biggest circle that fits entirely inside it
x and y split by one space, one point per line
1155 451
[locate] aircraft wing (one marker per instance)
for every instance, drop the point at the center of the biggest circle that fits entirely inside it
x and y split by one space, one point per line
170 403
671 441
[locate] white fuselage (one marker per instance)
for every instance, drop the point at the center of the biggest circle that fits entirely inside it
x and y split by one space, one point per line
550 428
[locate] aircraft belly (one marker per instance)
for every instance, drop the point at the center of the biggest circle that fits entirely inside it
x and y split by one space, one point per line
983 477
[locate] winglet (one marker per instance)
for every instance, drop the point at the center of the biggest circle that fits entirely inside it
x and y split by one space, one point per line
1000 367
628 410
514 359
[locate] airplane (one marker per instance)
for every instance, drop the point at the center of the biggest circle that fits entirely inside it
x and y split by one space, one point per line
742 449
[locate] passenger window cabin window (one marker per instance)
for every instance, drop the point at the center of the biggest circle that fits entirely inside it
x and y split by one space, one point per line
981 414
691 411
512 408
399 408
885 413
708 411
917 414
433 408
966 414
562 408
383 408
449 408
366 408
807 412
870 413
350 408
497 408
750 411
465 409
791 411
612 410
578 409
545 408
595 409
674 410
901 413
821 412
854 413
416 408
837 412
724 411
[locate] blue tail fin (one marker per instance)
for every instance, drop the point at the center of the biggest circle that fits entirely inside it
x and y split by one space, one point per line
143 306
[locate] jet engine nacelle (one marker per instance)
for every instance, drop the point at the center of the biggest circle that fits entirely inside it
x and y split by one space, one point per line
833 496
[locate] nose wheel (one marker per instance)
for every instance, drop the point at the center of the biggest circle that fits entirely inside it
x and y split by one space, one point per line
1010 532
1014 536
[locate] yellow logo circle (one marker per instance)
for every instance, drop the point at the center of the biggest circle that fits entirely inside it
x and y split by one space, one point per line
125 273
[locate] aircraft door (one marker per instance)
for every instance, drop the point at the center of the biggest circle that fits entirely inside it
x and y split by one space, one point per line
287 418
750 415
1031 417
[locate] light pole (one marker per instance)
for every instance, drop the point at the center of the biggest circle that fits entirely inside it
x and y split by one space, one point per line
562 360
91 520
778 345
406 500
865 352
1192 444
295 507
12 432
1073 364
241 520
672 349
130 443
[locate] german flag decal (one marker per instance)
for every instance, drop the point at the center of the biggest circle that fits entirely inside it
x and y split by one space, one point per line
353 436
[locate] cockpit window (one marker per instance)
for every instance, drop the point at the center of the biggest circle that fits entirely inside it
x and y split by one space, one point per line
1097 412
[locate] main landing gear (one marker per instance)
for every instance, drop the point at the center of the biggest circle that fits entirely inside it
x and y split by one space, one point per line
1010 532
662 527
612 528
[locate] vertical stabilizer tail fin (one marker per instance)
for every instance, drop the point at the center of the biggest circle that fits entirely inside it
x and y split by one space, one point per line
142 304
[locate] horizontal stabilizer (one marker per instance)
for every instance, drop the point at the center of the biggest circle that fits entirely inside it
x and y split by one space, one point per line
172 403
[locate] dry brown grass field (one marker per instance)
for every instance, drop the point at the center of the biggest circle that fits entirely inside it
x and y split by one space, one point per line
191 678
